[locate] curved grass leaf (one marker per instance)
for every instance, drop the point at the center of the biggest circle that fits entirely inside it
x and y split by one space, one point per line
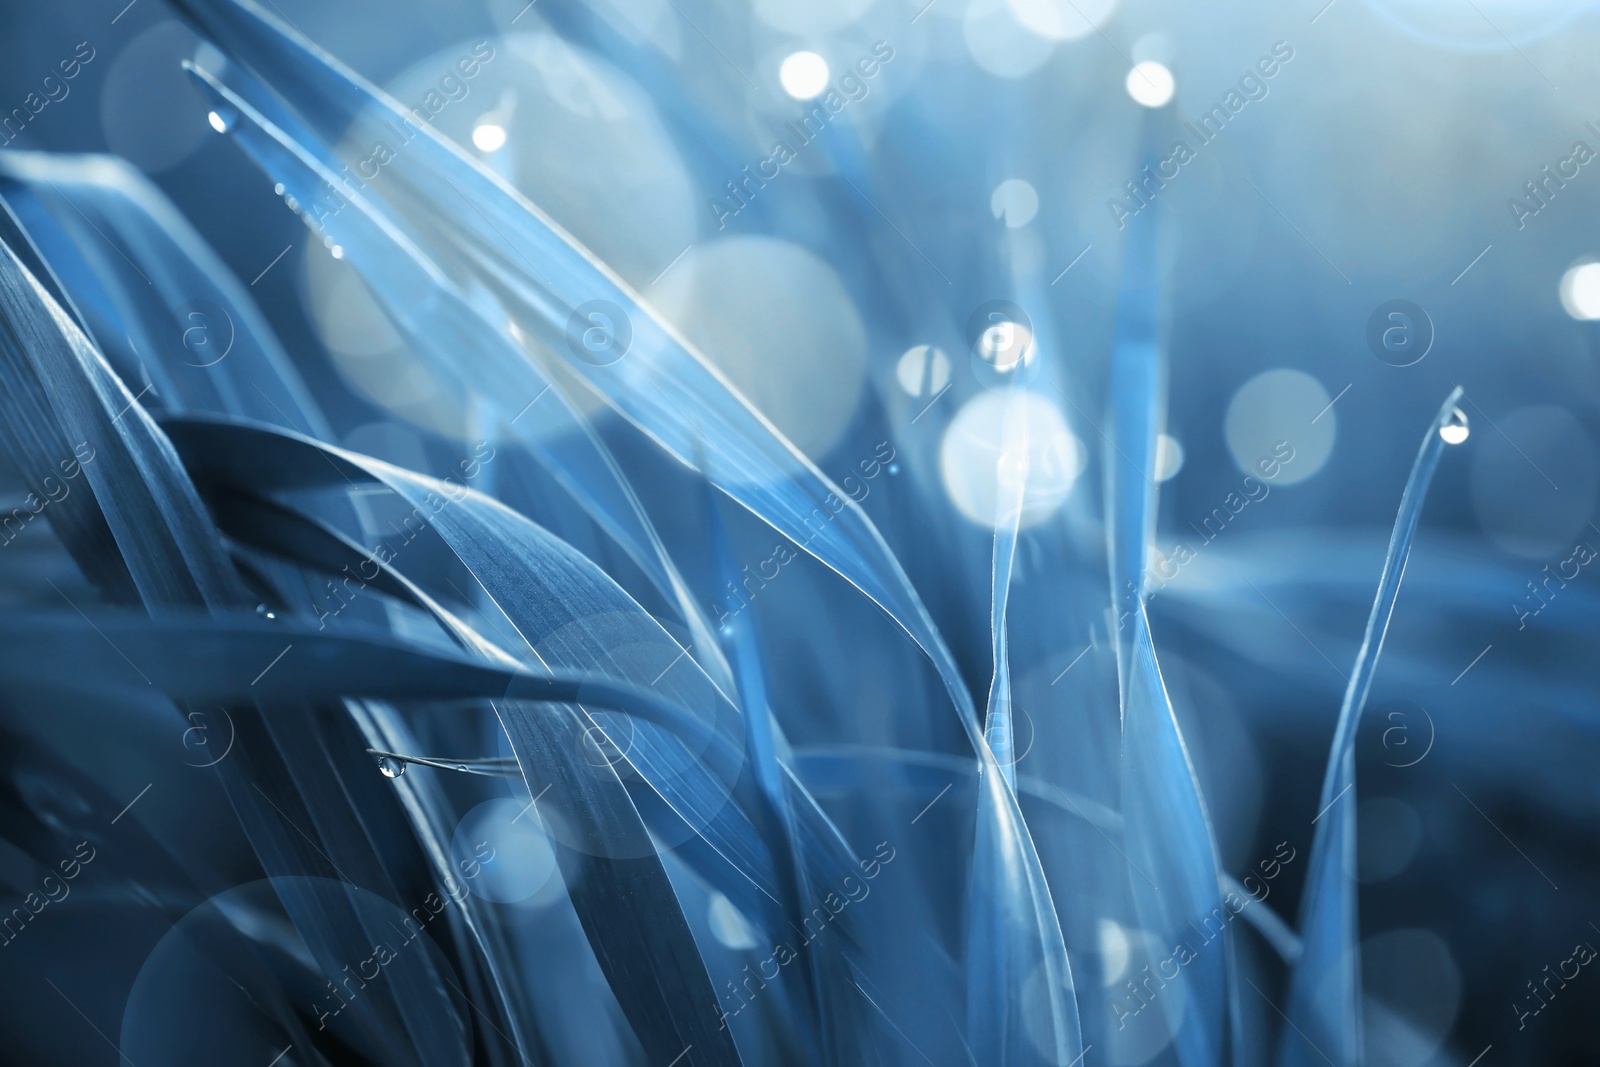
1325 987
771 812
156 300
439 325
64 405
1170 844
60 389
497 238
545 589
1011 479
465 217
182 325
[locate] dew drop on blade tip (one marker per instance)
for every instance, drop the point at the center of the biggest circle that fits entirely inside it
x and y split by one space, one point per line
1455 428
390 767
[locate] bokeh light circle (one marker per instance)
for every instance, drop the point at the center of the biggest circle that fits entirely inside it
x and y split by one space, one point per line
1281 412
1580 291
1493 25
923 371
728 924
1001 429
1150 84
1015 202
1169 457
1145 1024
803 75
501 852
149 112
211 969
1388 836
777 321
812 16
1063 20
1412 989
488 135
369 352
1114 950
1000 43
618 183
1534 484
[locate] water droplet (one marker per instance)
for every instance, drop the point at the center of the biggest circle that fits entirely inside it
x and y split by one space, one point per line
261 609
337 252
294 205
1455 428
223 119
278 188
1005 344
390 767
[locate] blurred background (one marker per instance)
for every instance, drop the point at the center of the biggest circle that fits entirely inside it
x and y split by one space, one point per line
1406 202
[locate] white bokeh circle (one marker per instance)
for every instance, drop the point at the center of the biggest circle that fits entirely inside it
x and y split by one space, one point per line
998 434
1280 408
